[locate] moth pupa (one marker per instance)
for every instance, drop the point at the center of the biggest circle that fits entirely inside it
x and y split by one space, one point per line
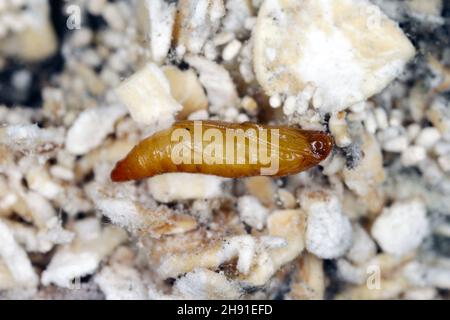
224 149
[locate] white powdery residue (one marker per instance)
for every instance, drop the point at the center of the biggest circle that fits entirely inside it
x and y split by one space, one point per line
271 54
16 259
325 42
290 105
339 129
113 16
83 256
182 186
428 137
66 265
413 155
439 277
29 137
20 133
421 275
121 282
199 115
41 209
202 284
363 247
39 180
273 242
402 227
55 233
275 101
252 212
338 74
162 18
122 212
328 231
148 97
91 128
444 162
198 20
381 118
216 80
29 237
288 225
350 273
223 38
243 247
237 13
231 50
393 139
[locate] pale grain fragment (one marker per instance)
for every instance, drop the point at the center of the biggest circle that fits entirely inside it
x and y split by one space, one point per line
344 76
186 88
147 96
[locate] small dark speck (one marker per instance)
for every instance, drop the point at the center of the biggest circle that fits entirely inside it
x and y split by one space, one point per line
330 269
353 155
183 65
169 281
441 245
106 221
326 121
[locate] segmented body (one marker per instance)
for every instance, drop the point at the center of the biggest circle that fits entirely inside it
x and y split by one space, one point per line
288 150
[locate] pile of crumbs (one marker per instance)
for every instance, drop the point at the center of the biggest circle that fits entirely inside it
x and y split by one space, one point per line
81 82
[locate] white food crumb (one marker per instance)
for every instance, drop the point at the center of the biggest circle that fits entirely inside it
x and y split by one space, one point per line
182 186
84 254
162 19
275 101
203 284
428 137
252 212
328 231
121 282
363 247
147 96
91 128
216 80
231 50
15 258
413 155
401 228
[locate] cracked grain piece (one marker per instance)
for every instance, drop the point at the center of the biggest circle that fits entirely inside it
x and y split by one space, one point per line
219 85
16 259
291 48
133 216
91 128
402 227
187 90
202 284
211 256
161 22
147 96
83 256
121 282
166 187
366 178
289 227
309 279
262 188
38 40
328 230
196 21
